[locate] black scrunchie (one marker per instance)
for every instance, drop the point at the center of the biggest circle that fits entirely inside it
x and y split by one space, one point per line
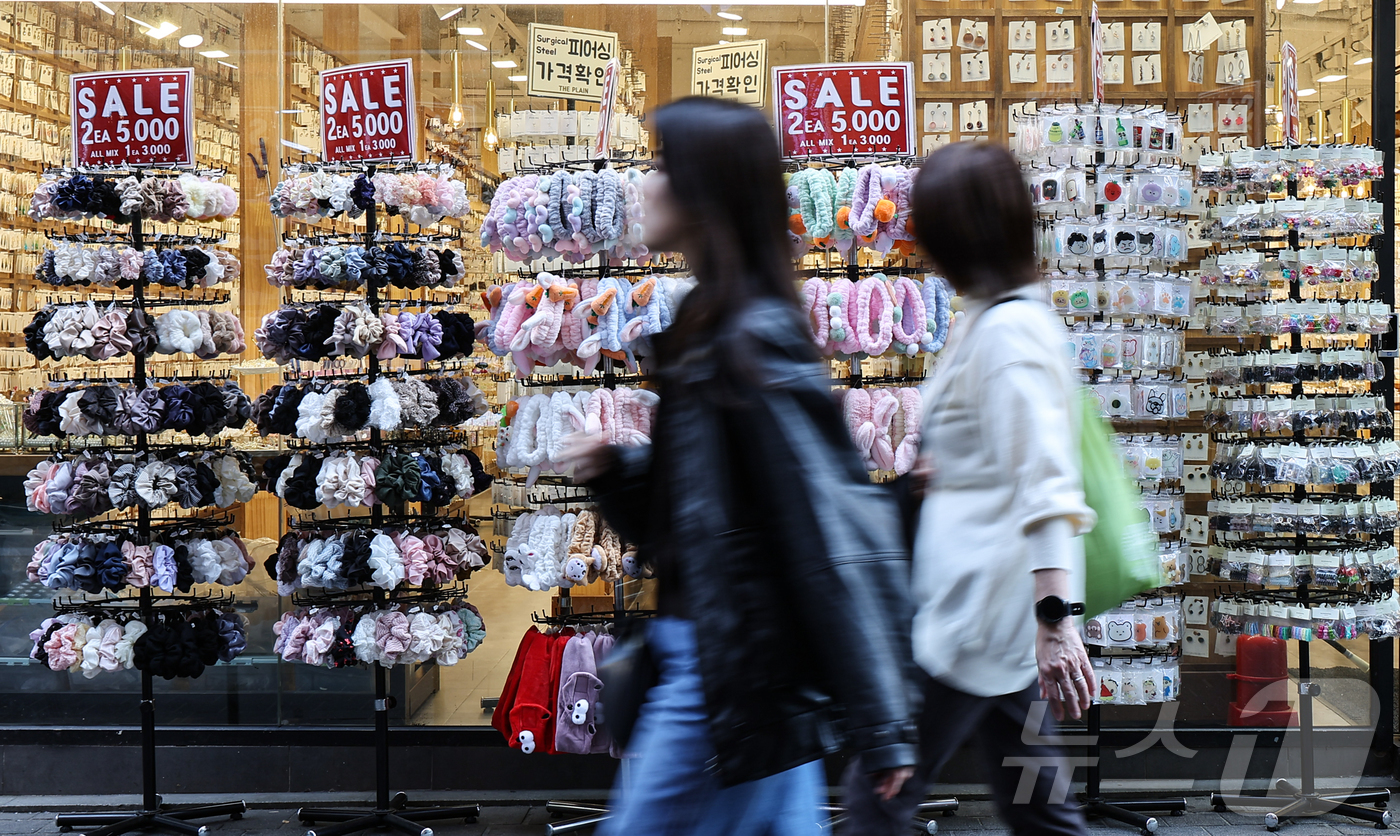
284 412
99 403
319 327
481 480
262 409
237 407
34 335
195 262
352 407
169 649
206 483
399 261
45 418
179 408
301 487
355 563
106 202
141 330
272 470
210 413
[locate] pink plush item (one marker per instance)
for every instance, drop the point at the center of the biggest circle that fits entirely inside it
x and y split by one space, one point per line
139 564
911 326
911 402
392 635
62 648
814 303
601 417
883 406
874 309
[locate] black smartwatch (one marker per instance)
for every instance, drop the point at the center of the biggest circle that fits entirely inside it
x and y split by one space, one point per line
1051 610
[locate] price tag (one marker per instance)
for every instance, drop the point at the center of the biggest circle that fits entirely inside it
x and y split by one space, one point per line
133 117
845 109
368 112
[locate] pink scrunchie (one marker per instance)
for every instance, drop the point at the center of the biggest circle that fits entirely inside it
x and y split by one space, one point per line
140 565
368 465
62 648
415 557
438 567
391 635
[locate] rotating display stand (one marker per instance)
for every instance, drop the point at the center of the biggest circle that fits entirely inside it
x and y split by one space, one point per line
389 811
153 814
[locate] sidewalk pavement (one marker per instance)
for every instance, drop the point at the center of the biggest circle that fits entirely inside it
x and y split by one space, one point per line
523 820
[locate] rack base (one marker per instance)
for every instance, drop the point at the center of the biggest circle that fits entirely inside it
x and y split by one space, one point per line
923 821
586 815
1298 804
161 818
396 817
1130 810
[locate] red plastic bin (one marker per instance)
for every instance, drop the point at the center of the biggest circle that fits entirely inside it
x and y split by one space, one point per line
1261 657
1266 719
1248 689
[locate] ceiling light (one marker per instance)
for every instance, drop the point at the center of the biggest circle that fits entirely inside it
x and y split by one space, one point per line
730 16
737 31
1360 61
302 148
103 6
517 78
166 28
1328 79
503 65
477 45
230 66
451 13
722 43
191 41
214 53
1307 91
469 30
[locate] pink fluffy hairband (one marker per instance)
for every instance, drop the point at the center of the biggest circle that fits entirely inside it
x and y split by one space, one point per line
874 315
910 434
869 415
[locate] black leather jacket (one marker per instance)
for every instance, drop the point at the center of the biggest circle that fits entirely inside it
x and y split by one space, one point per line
788 559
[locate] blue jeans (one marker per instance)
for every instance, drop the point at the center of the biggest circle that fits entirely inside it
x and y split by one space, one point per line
664 788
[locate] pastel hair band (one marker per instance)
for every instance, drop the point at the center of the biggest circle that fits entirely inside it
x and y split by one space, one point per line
910 317
816 190
841 301
911 410
818 310
874 321
938 300
883 406
865 202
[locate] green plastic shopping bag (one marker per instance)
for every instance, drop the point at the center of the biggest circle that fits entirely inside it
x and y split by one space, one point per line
1120 553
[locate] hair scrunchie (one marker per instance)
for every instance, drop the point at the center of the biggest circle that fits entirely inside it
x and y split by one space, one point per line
910 317
873 300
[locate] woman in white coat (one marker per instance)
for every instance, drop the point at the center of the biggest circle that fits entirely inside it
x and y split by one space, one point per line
997 555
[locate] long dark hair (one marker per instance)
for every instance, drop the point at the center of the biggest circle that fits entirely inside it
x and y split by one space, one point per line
727 176
974 218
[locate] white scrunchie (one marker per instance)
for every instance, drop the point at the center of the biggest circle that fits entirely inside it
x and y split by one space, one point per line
234 484
205 564
363 637
178 331
233 568
156 484
385 409
386 562
309 418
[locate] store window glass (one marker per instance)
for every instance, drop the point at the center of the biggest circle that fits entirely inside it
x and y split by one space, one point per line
492 104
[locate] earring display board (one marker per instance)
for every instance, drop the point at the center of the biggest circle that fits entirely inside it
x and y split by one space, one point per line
988 58
41 45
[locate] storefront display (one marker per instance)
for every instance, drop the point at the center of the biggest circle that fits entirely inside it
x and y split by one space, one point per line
361 374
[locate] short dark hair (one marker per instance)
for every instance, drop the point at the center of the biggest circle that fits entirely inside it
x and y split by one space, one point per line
973 216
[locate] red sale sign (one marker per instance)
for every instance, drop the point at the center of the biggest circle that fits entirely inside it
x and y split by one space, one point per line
133 118
368 112
845 109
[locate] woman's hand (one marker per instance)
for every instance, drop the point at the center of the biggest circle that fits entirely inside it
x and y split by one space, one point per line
1066 676
588 455
888 782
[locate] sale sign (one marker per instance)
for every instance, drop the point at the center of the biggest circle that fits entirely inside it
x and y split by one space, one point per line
845 109
368 112
602 141
133 118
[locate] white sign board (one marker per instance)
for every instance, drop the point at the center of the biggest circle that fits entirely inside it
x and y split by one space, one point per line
730 71
568 63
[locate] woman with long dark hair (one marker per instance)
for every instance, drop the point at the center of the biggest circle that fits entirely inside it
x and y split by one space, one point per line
783 625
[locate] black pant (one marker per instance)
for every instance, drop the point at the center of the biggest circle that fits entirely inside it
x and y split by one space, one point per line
1029 777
